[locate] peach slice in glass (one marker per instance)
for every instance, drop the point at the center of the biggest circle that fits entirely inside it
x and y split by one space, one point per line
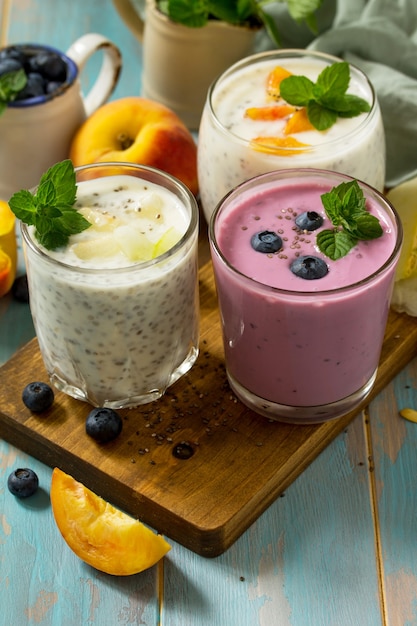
298 122
269 113
273 81
280 146
101 535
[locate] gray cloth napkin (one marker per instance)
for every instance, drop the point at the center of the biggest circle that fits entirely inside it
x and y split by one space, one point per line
379 37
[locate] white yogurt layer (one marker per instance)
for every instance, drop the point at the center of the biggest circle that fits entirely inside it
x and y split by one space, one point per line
354 146
132 220
247 88
112 331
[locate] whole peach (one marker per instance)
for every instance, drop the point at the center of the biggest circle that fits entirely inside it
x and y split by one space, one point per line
138 130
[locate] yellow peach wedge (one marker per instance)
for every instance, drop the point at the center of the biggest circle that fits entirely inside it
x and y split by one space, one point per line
280 146
8 248
273 81
298 122
101 535
269 113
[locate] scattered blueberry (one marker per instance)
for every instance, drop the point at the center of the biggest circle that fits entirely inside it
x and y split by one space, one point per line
266 242
23 482
37 397
309 267
20 290
103 424
309 220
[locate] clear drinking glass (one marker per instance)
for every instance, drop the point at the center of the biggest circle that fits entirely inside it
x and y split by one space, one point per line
118 334
300 351
227 155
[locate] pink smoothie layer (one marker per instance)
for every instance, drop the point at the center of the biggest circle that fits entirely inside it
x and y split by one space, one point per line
298 348
277 212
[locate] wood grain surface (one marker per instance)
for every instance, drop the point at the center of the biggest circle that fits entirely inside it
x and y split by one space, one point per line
240 461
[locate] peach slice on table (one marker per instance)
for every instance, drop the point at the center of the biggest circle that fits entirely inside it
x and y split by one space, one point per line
298 122
280 146
274 79
101 535
8 248
269 113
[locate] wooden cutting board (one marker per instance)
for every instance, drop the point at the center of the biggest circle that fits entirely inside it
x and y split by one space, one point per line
240 462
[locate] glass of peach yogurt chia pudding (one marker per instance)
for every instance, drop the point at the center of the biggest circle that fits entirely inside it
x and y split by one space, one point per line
116 310
303 331
247 128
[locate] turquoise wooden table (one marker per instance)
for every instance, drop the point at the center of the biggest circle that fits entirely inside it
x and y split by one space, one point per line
339 548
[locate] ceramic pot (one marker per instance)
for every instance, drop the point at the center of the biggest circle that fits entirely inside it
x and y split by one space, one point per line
180 63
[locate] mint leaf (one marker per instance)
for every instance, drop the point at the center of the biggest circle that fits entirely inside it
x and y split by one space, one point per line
334 78
297 90
10 85
62 177
51 208
345 206
366 227
24 206
52 239
326 99
321 117
335 243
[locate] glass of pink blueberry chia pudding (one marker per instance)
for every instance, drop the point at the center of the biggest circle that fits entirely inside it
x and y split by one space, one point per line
116 309
304 264
288 109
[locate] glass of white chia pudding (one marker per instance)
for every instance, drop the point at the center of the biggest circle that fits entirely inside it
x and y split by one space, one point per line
116 311
247 128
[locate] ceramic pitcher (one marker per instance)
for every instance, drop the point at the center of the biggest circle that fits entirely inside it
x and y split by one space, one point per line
37 132
179 63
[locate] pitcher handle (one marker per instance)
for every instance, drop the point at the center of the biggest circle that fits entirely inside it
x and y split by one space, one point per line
131 17
81 50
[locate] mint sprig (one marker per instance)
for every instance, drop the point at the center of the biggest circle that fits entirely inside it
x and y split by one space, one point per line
10 85
51 208
345 206
326 99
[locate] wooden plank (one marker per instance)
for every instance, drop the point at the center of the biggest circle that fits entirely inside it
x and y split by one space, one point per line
309 559
241 462
394 443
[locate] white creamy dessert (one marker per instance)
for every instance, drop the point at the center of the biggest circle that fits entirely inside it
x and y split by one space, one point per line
354 146
116 311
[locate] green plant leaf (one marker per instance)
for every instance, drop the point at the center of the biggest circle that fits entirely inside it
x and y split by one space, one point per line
303 9
270 26
192 14
229 10
196 13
